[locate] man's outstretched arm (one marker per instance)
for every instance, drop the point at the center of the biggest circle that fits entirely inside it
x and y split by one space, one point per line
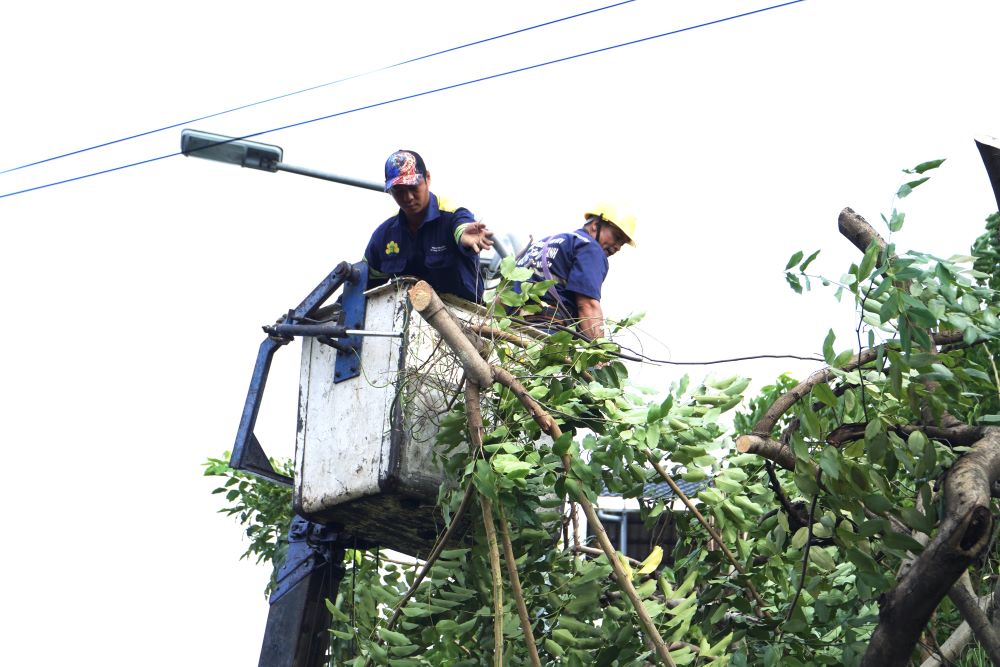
591 316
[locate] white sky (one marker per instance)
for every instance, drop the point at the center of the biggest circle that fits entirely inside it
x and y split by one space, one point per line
132 301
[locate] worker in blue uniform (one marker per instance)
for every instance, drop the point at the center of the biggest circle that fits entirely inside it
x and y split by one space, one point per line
429 238
578 262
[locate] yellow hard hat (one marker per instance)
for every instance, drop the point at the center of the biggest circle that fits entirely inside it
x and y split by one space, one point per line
617 216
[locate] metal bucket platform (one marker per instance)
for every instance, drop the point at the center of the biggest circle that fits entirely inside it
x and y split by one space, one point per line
364 458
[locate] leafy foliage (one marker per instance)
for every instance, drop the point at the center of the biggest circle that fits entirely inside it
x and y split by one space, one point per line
262 506
820 541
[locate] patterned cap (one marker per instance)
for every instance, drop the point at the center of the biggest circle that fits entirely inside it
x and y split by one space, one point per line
404 168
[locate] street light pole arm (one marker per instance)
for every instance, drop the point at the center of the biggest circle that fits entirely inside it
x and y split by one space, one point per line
345 180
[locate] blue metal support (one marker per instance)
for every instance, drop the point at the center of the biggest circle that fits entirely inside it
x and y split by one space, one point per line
298 622
247 452
348 364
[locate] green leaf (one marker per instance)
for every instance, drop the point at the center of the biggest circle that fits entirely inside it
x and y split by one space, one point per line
943 371
562 444
914 519
511 298
822 559
799 538
772 656
925 166
810 421
825 395
828 353
901 541
794 283
877 503
896 221
808 261
907 188
394 638
868 262
794 259
829 461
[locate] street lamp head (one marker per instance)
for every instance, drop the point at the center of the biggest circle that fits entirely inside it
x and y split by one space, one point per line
221 148
989 149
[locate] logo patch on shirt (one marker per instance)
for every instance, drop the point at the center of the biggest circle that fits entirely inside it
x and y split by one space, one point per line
438 248
392 248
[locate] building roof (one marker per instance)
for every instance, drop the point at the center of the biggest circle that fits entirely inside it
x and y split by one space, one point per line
662 490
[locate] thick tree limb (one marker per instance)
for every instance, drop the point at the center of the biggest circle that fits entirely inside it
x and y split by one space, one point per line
964 532
961 434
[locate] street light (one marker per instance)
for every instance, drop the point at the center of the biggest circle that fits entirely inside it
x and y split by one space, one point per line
989 149
267 157
255 155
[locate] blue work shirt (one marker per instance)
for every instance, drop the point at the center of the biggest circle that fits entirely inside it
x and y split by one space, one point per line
575 260
433 254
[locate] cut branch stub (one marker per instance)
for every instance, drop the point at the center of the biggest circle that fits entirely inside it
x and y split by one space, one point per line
768 448
857 230
426 302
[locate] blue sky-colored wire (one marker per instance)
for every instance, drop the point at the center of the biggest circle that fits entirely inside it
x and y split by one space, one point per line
322 85
432 91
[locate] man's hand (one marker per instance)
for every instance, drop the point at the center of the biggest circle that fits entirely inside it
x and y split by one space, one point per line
476 237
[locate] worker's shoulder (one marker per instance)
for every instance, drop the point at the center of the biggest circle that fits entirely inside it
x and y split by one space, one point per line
448 205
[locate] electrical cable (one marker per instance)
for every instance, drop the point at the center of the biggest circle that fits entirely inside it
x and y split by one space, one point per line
429 92
321 85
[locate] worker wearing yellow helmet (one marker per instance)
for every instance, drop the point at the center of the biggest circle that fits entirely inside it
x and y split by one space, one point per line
578 262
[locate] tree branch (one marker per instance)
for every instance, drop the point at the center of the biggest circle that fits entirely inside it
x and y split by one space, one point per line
963 534
770 449
427 303
962 434
857 230
474 418
515 585
964 598
549 426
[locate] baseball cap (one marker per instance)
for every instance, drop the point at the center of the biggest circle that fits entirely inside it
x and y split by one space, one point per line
404 168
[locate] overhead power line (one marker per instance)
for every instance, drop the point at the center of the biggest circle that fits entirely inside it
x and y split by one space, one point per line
318 86
431 91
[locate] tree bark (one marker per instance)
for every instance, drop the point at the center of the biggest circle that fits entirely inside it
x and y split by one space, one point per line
770 449
857 230
964 532
961 434
964 598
